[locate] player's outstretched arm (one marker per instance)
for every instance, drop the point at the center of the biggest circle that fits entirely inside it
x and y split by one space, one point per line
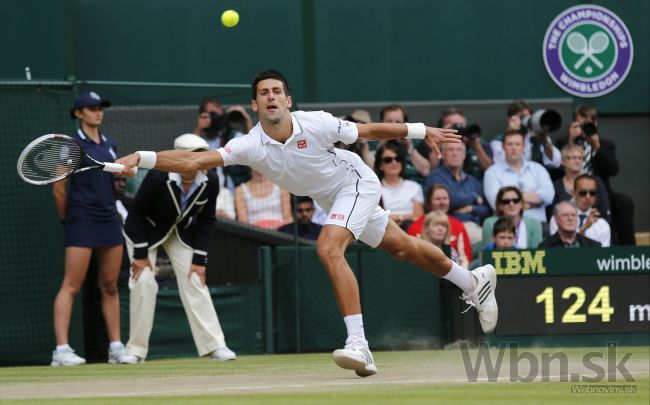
432 136
171 161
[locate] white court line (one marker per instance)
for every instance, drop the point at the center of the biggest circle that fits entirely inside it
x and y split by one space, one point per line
253 388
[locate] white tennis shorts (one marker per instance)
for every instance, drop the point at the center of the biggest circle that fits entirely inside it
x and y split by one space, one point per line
356 208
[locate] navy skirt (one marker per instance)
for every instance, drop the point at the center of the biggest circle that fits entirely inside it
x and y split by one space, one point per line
85 232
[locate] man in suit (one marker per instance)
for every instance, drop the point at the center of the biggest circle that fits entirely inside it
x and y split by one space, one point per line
567 236
600 160
175 211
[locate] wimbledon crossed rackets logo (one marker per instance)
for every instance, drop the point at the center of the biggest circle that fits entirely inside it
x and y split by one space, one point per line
588 51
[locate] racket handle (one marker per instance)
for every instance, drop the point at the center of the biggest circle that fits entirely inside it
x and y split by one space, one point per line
117 168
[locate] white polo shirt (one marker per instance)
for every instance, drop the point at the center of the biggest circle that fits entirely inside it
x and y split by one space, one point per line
307 163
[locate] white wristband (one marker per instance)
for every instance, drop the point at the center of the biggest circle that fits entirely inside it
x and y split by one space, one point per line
147 159
416 130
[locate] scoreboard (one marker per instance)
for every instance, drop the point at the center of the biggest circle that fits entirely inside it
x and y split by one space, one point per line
572 291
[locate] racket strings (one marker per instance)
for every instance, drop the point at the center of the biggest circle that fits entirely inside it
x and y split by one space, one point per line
52 158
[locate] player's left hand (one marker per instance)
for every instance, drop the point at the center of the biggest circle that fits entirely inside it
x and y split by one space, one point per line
437 136
199 270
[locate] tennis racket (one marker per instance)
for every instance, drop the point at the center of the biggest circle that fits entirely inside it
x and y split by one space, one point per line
54 157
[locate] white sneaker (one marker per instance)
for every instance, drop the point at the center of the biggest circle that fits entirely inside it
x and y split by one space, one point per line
223 354
483 298
66 357
119 356
356 356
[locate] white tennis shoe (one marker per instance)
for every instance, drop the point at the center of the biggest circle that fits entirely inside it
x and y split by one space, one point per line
223 354
356 356
483 297
119 356
66 357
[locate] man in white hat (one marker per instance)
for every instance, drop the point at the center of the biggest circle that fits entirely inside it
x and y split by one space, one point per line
175 211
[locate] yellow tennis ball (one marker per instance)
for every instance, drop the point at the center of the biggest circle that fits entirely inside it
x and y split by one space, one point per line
230 18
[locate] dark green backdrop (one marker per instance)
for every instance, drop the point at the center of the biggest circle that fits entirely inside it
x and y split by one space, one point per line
335 50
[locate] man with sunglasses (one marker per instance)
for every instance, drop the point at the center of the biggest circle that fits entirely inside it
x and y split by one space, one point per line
305 211
589 223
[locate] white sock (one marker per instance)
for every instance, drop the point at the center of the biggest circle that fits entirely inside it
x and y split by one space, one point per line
116 345
354 325
461 277
61 348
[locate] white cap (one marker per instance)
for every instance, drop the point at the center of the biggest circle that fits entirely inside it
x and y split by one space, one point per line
190 143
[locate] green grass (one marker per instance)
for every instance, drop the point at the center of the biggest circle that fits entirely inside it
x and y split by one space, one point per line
405 378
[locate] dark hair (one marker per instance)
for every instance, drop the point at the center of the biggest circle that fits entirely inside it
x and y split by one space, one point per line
511 132
380 154
504 224
498 212
427 198
302 199
518 106
269 74
204 104
587 112
582 177
393 107
447 112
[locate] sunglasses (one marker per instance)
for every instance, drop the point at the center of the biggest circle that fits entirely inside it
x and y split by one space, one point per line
388 160
508 201
305 210
583 193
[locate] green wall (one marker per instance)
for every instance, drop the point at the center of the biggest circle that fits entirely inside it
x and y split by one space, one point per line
335 50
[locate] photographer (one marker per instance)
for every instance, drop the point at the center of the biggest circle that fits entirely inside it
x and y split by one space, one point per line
217 128
600 160
479 154
538 145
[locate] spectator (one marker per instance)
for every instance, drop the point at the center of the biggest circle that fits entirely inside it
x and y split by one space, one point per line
403 198
566 215
416 164
261 203
304 213
467 199
530 177
600 160
437 198
174 210
435 229
538 146
479 153
86 207
503 235
510 204
217 127
225 207
590 223
572 157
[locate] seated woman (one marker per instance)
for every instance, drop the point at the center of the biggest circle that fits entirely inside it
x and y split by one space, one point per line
261 203
402 197
438 199
436 230
510 203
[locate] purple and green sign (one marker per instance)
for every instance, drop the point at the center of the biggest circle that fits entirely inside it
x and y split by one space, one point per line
588 50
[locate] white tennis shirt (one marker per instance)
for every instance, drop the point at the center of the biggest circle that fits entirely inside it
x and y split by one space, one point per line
307 163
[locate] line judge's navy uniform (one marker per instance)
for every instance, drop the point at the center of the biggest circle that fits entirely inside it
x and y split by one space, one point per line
91 219
181 223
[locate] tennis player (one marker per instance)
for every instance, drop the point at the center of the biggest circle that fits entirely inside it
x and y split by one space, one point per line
296 151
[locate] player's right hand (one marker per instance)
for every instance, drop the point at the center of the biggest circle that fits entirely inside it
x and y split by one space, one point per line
138 266
129 161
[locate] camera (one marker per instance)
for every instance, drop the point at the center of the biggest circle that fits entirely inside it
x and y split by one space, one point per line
589 129
471 131
542 121
221 125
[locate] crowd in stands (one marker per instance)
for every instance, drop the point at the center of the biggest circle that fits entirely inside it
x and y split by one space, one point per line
493 193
